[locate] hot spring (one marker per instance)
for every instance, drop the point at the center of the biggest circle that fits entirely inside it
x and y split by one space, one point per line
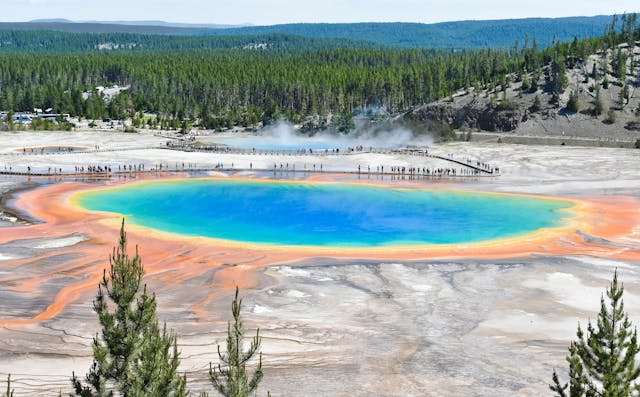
325 214
277 143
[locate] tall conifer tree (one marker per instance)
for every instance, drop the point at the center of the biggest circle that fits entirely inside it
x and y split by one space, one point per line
133 356
602 362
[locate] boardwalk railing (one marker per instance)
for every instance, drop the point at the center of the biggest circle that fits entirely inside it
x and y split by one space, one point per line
473 168
478 166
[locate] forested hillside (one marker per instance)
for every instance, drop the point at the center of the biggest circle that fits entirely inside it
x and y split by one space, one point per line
463 34
222 88
26 41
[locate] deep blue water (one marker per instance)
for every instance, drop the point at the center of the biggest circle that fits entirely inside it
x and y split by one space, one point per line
302 213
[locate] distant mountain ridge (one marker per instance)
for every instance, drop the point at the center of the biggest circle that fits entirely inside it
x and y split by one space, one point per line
450 35
146 23
86 27
51 20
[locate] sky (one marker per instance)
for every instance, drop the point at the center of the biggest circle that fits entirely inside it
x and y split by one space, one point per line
269 12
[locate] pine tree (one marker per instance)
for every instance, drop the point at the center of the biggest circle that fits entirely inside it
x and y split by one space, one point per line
598 104
230 378
9 392
594 72
620 65
526 82
537 105
602 362
557 79
623 97
133 357
534 81
573 104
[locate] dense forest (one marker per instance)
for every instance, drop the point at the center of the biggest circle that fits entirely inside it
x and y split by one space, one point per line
234 87
222 88
460 34
37 41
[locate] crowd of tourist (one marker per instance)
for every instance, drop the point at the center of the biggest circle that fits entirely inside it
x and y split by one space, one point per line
468 167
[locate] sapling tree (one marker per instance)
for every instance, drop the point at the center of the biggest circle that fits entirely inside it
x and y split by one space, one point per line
230 377
9 392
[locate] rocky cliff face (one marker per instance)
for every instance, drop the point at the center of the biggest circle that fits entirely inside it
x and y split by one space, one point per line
475 114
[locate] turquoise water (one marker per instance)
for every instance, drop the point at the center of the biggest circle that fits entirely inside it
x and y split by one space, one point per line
293 213
276 143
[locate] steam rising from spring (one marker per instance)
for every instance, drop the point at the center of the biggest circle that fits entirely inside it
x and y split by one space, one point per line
284 134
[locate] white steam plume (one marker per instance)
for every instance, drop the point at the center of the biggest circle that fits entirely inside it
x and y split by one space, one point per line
284 133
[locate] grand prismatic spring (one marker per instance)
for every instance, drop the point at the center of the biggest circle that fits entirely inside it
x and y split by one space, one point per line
325 214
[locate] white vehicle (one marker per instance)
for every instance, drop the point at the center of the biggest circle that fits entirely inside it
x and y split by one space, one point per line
22 118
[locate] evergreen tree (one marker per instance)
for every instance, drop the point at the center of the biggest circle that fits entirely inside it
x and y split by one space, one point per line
624 95
610 32
594 71
629 24
620 65
230 378
534 81
526 82
9 392
598 104
573 104
133 357
537 105
557 79
602 362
